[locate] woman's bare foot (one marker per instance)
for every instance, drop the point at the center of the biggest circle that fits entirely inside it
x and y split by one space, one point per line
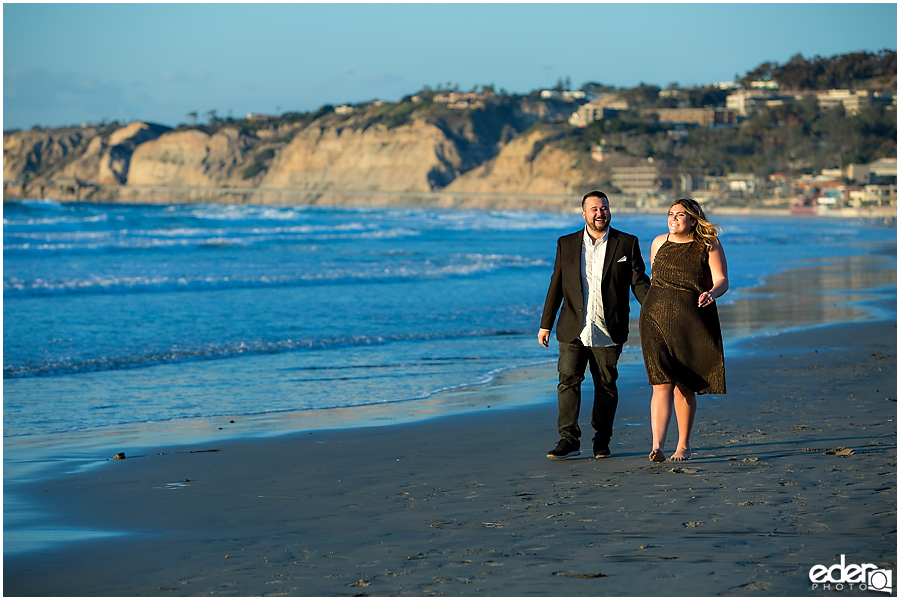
681 454
657 456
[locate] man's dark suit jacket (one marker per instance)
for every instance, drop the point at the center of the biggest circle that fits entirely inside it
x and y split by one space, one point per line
623 268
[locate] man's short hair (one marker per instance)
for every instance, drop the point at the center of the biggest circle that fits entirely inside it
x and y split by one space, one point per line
594 194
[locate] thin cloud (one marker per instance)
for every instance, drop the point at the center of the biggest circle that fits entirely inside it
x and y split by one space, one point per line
184 78
43 97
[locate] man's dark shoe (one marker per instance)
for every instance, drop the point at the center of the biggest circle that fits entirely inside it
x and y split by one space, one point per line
602 451
564 449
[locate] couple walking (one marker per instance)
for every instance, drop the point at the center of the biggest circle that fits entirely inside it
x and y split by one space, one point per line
681 338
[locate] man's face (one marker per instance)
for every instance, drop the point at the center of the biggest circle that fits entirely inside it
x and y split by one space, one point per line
596 215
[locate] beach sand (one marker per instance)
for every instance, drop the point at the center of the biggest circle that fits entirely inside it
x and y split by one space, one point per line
794 467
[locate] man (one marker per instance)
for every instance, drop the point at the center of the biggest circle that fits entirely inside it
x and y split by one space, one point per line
594 269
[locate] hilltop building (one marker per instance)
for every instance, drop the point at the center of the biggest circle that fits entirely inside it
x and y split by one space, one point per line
569 96
700 117
261 118
883 168
748 102
606 106
649 179
463 100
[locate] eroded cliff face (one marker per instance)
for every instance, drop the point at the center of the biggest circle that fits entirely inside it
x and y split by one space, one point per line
526 165
86 154
191 158
416 157
479 152
108 159
36 153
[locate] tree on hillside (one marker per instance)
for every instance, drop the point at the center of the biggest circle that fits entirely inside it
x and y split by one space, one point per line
706 97
761 73
797 74
642 95
593 87
844 71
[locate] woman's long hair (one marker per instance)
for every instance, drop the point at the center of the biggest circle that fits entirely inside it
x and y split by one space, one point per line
704 231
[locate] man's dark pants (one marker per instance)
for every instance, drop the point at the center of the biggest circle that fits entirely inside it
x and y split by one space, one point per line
573 359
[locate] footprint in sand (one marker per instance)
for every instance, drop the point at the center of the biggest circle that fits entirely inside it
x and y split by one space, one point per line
840 451
694 524
756 586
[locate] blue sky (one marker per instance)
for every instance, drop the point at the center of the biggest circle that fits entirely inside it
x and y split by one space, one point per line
64 64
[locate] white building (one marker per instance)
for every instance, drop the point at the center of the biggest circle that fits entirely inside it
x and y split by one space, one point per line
564 95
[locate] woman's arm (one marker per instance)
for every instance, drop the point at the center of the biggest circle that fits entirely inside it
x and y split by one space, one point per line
657 242
719 269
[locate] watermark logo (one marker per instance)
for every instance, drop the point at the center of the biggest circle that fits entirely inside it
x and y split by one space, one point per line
852 577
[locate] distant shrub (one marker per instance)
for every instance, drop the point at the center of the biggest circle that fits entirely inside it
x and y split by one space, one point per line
260 163
252 170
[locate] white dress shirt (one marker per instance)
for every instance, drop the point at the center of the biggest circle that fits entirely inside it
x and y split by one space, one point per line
594 332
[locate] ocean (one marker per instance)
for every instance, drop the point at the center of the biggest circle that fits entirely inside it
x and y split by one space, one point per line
148 317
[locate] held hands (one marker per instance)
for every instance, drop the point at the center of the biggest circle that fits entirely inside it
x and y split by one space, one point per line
544 337
705 299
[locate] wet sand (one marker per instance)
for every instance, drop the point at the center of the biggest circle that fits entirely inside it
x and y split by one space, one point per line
794 467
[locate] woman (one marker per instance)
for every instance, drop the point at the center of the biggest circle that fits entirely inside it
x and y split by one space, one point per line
680 333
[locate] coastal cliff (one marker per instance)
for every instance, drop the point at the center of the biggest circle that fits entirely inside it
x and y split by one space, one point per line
499 149
95 155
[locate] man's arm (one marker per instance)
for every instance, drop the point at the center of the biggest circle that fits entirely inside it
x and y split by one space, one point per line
640 281
553 300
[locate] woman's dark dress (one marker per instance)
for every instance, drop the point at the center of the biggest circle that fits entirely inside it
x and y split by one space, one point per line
680 341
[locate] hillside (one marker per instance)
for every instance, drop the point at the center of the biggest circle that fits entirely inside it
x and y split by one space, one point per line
466 143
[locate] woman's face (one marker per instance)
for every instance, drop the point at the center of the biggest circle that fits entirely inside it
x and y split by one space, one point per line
680 223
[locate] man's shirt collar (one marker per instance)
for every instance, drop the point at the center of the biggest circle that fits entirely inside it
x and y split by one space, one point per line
590 242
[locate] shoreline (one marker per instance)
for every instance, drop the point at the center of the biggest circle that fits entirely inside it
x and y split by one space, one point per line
789 471
553 203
